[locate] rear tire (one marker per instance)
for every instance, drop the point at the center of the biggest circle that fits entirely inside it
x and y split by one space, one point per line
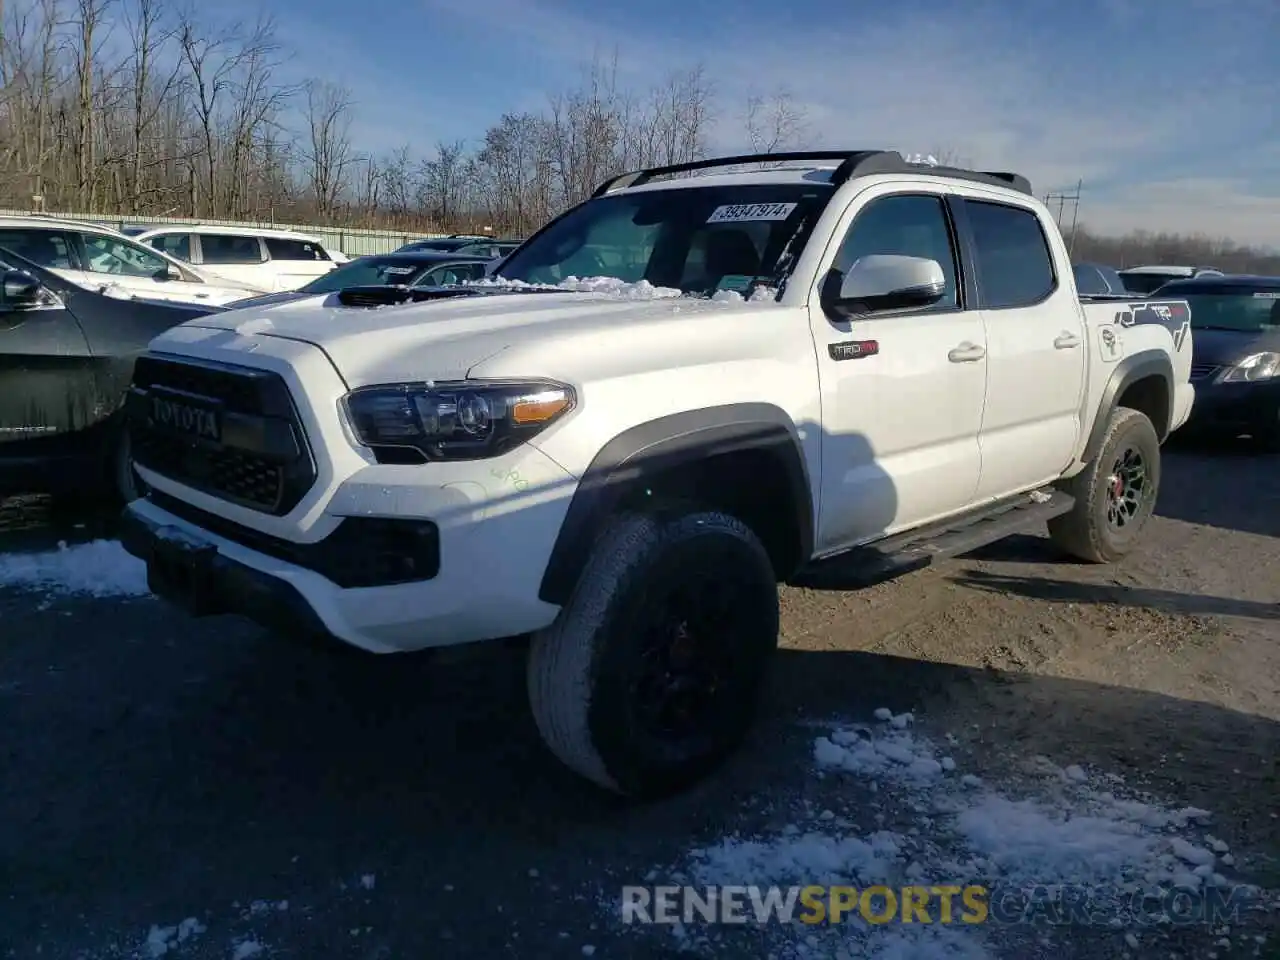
1115 494
651 675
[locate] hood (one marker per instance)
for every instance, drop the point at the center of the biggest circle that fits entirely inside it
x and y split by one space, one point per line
443 339
1222 348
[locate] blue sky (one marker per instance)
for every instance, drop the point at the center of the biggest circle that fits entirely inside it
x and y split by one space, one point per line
1165 109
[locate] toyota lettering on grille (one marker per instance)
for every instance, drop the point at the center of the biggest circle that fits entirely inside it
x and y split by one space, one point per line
185 418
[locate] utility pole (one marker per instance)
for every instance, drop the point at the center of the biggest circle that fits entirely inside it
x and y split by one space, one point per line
1062 198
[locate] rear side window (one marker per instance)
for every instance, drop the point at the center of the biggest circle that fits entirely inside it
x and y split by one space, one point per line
227 248
281 249
44 248
1015 267
174 244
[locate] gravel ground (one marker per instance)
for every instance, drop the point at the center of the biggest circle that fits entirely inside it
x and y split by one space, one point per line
296 804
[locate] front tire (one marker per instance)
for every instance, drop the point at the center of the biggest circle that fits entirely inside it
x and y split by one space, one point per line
1115 494
651 675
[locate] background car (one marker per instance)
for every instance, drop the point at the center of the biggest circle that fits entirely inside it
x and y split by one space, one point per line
269 260
419 269
98 258
1144 280
66 360
1235 363
449 244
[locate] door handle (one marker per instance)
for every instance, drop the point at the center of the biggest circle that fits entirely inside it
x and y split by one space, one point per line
1066 341
967 353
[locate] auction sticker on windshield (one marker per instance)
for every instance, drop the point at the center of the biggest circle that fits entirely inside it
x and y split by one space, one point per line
746 212
1267 295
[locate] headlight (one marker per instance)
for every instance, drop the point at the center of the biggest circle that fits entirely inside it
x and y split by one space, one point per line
1260 366
458 420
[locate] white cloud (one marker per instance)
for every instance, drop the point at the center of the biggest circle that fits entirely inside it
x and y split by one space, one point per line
1133 118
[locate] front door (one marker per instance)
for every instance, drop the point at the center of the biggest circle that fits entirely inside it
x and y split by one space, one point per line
46 374
902 391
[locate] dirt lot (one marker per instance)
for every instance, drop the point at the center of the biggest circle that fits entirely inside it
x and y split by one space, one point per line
292 804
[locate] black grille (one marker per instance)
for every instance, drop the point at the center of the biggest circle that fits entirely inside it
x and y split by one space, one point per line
1203 371
257 458
361 552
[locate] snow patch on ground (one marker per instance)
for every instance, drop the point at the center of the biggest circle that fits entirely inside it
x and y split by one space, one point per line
936 825
100 568
162 940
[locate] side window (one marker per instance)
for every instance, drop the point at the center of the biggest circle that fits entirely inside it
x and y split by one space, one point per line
174 244
122 258
1014 264
44 248
911 225
283 249
228 248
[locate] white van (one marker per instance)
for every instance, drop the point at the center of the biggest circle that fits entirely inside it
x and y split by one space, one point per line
271 260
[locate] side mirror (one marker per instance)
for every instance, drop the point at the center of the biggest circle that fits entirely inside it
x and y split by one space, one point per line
886 281
21 291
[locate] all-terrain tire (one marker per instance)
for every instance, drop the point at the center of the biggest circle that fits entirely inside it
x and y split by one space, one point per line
591 673
1086 532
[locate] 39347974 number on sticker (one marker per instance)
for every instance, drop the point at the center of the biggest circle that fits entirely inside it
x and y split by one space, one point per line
748 212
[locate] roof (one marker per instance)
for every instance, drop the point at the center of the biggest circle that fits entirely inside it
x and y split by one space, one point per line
56 223
425 256
1240 283
230 231
831 167
1166 268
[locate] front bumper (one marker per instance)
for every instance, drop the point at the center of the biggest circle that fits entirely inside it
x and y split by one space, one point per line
1236 408
490 548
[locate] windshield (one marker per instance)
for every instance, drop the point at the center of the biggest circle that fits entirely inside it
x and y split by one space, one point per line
367 272
1247 312
695 239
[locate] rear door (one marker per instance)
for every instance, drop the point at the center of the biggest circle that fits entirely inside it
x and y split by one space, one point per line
236 257
1036 344
48 247
296 262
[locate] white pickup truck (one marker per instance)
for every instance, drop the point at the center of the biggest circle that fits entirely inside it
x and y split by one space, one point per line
839 368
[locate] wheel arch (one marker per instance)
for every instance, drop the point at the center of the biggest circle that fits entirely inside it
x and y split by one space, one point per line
699 455
1142 382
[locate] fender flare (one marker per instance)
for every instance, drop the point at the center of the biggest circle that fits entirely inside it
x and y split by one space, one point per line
658 445
1130 370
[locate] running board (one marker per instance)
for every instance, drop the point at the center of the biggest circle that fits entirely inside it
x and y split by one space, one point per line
914 550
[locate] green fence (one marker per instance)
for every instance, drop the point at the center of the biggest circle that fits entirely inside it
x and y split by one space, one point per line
354 243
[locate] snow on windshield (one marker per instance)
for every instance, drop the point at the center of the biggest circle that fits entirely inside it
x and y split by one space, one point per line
617 289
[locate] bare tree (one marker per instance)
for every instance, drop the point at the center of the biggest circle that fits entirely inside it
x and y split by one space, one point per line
328 151
776 122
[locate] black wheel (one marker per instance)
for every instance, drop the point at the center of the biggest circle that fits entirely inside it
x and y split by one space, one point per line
1115 495
651 675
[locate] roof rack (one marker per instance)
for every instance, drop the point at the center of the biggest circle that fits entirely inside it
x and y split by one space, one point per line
853 163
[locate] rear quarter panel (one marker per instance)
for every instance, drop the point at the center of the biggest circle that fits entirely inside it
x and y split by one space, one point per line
1127 333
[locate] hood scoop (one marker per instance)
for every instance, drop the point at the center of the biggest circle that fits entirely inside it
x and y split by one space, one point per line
390 295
